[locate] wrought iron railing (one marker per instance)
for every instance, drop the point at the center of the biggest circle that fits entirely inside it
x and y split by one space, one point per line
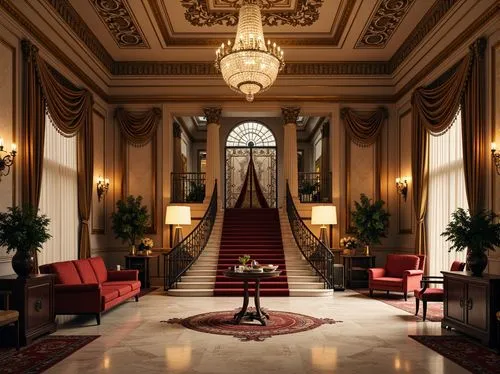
183 255
314 251
315 187
188 187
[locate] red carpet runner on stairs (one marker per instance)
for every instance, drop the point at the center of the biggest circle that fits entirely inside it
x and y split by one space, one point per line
255 232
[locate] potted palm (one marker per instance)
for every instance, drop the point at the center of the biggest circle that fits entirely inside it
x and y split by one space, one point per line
370 221
475 232
130 221
23 230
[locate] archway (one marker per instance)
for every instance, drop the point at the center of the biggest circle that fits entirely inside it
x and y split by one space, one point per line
248 141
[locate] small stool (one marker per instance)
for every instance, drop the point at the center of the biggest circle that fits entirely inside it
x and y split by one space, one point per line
8 317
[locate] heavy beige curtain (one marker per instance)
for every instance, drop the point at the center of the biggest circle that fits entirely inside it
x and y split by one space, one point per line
433 111
70 108
138 127
363 129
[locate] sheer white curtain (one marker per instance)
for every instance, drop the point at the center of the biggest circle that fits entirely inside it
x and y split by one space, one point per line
59 196
446 194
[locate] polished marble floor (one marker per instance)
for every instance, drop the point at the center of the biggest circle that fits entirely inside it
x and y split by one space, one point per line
373 338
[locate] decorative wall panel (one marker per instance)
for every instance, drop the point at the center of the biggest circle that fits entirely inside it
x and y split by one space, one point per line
405 208
362 175
99 207
8 106
140 175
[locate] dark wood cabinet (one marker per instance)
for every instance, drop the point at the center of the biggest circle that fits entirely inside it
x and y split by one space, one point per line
356 270
470 304
141 263
33 297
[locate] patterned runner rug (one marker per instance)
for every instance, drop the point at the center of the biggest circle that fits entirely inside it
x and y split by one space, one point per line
395 299
42 354
280 323
463 351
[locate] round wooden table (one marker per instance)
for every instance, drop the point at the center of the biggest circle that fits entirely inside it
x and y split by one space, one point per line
246 277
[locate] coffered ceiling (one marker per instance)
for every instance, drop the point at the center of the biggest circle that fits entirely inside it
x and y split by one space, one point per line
189 30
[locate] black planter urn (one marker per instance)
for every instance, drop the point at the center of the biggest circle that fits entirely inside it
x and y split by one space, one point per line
23 263
476 262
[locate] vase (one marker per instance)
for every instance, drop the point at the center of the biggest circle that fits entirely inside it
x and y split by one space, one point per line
132 251
476 262
366 251
23 263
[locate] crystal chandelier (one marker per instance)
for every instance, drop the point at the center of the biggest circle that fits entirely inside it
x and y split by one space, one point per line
249 66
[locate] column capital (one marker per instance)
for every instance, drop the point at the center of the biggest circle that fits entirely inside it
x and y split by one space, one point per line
177 130
325 130
212 114
290 114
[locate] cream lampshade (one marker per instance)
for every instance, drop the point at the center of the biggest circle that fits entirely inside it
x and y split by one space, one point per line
324 215
178 215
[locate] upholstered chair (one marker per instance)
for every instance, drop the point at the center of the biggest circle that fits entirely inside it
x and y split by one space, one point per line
427 293
402 273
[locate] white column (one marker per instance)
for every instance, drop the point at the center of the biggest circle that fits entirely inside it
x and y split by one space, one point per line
213 153
290 170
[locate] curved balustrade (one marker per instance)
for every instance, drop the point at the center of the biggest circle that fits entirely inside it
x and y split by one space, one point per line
185 254
315 252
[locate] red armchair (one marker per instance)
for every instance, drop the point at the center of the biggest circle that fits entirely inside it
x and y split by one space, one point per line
402 273
427 293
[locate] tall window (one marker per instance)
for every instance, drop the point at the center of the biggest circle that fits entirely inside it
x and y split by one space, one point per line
251 133
59 196
446 194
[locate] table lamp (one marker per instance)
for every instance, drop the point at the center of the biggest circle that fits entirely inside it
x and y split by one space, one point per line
324 215
178 215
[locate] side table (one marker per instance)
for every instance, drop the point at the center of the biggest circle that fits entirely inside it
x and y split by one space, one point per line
33 297
356 269
140 263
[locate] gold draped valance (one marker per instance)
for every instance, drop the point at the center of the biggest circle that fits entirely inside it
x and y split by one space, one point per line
363 129
138 127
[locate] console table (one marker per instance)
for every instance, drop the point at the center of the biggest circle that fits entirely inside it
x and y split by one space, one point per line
470 305
33 298
356 270
141 263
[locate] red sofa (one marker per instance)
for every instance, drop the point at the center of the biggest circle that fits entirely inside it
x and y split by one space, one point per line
87 287
402 273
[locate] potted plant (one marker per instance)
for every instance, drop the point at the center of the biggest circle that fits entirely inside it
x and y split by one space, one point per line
476 233
23 230
130 220
370 221
349 243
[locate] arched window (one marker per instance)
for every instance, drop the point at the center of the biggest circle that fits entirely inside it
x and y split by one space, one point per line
251 134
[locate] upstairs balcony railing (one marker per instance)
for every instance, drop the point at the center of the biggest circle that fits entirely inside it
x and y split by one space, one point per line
183 255
313 250
315 187
188 187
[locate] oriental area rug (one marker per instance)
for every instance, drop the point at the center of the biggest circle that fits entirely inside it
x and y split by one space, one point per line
396 299
222 323
42 354
463 351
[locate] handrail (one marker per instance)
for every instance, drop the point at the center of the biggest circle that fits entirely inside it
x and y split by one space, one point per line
314 251
183 255
188 187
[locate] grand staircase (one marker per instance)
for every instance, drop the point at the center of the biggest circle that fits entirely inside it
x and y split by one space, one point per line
255 232
297 277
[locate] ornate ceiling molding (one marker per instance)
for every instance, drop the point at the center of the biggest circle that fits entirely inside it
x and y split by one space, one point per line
198 13
388 16
426 24
157 68
76 23
120 22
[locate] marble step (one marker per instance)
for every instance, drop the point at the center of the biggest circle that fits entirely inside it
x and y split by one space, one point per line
195 285
310 292
190 292
305 285
194 272
198 278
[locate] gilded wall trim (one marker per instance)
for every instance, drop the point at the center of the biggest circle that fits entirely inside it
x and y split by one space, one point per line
120 22
388 15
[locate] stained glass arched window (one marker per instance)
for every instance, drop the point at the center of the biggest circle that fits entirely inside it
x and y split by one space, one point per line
251 134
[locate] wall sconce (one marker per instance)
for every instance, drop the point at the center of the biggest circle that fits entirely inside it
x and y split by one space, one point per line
7 160
102 187
495 156
402 186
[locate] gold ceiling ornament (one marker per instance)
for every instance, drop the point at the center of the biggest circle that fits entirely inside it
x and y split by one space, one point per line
248 65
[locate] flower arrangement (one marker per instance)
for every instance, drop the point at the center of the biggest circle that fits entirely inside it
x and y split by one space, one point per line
244 259
146 244
349 242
